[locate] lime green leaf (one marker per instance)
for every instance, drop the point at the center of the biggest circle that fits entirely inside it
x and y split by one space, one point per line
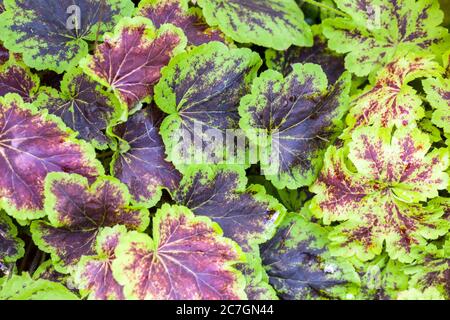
438 94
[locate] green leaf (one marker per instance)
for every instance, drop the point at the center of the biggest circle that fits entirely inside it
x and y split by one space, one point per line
11 247
438 95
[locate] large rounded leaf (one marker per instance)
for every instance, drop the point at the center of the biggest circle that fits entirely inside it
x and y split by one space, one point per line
15 77
32 144
187 259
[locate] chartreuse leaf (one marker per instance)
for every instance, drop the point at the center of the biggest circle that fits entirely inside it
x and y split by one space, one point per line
178 13
187 259
380 201
200 90
32 144
83 106
52 35
391 101
331 62
246 215
376 30
415 294
24 288
78 211
130 60
11 247
16 77
274 24
139 160
294 119
94 275
300 266
438 95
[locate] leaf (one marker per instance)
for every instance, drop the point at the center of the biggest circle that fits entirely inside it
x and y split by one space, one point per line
391 101
130 60
15 77
377 30
200 90
300 266
4 54
2 6
83 106
139 161
178 13
53 35
24 288
438 94
187 259
33 144
77 212
294 119
331 62
47 271
246 215
11 247
414 294
94 274
380 201
274 24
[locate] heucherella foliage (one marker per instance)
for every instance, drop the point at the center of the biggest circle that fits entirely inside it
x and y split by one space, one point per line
11 247
379 202
77 212
274 24
33 141
187 258
139 160
53 34
4 54
438 95
300 116
178 13
130 60
373 32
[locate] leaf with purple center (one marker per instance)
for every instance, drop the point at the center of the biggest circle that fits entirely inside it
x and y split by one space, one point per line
93 274
11 247
294 120
380 202
178 13
77 212
53 34
130 60
84 107
32 144
139 160
188 259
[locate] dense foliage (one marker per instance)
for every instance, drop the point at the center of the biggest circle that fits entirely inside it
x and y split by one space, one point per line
119 179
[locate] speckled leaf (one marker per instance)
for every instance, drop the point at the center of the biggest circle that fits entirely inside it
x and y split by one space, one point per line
83 106
331 62
300 116
438 94
271 23
178 13
200 90
391 101
78 211
130 60
380 202
246 215
187 259
33 144
300 266
15 77
11 247
139 161
53 34
94 274
376 30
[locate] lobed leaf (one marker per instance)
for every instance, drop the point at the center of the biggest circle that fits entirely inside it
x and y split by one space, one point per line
438 94
11 247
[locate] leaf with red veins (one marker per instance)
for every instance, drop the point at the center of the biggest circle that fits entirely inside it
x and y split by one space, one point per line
391 101
129 62
380 202
94 275
187 259
33 144
16 77
178 13
77 213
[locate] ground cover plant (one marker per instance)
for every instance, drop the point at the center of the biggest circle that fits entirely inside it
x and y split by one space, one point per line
224 149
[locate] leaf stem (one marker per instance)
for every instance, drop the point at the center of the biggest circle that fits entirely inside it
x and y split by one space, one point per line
326 7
